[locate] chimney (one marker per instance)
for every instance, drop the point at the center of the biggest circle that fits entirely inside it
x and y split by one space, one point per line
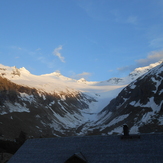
125 130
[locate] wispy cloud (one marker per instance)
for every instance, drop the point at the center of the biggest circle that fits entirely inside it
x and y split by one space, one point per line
126 68
152 57
57 53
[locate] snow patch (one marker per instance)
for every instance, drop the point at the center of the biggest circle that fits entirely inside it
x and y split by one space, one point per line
43 96
14 108
27 97
150 104
132 86
118 119
161 120
134 130
117 130
52 103
133 103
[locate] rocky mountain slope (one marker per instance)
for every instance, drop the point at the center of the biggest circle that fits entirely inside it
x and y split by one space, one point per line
39 113
139 105
52 104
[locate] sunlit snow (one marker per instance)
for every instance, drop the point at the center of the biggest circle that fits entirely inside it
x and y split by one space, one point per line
55 82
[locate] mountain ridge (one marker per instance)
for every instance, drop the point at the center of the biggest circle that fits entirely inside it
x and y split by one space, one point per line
139 105
56 82
67 106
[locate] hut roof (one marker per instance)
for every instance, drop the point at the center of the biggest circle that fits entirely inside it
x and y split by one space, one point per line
94 149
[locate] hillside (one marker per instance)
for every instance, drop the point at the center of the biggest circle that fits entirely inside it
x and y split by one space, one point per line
139 105
39 113
54 105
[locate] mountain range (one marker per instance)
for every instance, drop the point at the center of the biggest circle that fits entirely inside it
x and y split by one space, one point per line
54 105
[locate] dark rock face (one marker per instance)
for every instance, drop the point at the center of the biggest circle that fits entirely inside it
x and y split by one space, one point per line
39 113
140 105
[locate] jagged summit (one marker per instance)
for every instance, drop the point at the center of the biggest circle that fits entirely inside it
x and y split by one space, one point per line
23 70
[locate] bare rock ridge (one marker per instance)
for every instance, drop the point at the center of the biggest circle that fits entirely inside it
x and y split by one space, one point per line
139 105
54 105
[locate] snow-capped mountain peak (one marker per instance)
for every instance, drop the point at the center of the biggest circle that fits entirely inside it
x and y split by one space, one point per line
58 104
23 70
136 73
56 82
142 70
82 80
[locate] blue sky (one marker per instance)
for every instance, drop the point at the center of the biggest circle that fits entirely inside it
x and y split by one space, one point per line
94 39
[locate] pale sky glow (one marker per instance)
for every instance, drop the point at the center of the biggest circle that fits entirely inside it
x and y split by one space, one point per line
93 39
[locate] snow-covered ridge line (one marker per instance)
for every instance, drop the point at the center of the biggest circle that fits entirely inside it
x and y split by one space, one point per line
132 76
55 82
79 105
23 76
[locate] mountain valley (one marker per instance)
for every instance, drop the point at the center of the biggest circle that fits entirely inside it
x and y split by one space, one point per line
54 105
